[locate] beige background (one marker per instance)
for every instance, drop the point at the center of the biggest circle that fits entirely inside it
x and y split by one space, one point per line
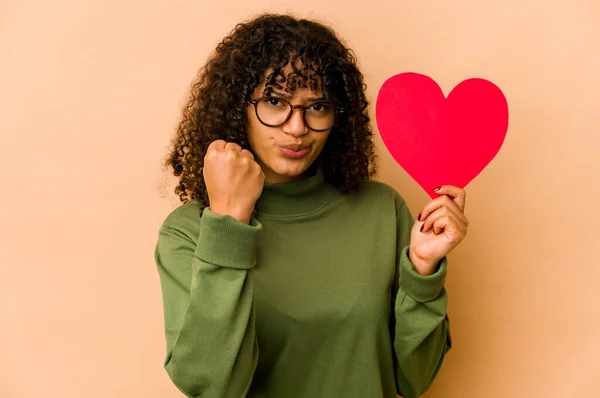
90 96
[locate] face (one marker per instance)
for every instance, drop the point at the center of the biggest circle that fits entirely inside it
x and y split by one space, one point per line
285 153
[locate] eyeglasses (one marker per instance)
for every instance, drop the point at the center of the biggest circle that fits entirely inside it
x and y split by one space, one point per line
275 112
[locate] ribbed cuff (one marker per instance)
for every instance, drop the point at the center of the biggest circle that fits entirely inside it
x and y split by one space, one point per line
227 242
419 287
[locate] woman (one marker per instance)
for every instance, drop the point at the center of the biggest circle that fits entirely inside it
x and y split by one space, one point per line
287 272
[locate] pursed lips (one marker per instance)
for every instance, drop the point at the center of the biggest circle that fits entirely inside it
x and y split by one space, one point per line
295 147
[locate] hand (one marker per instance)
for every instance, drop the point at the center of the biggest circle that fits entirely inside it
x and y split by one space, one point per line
234 181
441 226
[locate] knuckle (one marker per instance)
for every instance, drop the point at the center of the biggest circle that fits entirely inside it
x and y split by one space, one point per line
247 153
234 146
229 154
215 144
211 154
244 161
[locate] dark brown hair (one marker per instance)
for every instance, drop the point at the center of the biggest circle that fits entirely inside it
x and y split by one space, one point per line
219 96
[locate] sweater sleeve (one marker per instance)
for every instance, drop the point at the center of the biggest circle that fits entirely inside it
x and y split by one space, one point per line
207 290
421 325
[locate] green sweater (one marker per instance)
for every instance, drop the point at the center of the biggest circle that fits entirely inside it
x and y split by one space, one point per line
316 297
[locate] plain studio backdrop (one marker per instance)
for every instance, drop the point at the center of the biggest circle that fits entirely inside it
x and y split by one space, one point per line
90 95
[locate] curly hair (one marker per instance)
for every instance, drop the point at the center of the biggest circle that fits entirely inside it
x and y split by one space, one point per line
220 93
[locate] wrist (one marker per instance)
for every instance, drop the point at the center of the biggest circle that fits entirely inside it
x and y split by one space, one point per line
239 214
423 266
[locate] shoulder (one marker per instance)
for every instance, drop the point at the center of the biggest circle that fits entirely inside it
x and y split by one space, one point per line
185 219
372 190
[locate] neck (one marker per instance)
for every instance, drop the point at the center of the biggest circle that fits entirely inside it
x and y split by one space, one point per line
293 198
273 178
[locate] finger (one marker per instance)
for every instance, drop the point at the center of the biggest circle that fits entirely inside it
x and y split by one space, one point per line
458 195
233 146
444 211
435 216
214 149
440 224
441 202
453 231
246 153
217 144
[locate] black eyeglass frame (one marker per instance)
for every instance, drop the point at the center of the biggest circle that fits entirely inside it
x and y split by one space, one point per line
255 101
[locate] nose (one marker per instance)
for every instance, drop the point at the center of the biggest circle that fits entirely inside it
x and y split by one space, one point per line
296 126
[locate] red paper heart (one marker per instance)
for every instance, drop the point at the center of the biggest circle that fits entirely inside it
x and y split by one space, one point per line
438 140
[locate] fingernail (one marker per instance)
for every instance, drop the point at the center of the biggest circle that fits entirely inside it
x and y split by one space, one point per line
422 227
419 218
437 189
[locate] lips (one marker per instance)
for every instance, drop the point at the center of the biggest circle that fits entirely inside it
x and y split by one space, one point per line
294 151
294 147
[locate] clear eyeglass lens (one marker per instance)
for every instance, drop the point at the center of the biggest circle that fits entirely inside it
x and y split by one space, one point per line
274 111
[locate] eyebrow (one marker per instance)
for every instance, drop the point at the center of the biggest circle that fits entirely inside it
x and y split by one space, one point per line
287 96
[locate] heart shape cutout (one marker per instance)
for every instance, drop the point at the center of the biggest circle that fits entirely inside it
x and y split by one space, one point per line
439 140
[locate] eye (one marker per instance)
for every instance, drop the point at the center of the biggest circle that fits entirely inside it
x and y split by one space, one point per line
274 102
320 107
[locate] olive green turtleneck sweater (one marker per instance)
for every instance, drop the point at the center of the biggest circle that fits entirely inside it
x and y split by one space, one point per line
316 297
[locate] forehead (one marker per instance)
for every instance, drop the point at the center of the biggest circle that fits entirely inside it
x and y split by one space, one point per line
290 79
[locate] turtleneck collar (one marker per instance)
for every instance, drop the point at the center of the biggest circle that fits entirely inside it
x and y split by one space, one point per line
296 197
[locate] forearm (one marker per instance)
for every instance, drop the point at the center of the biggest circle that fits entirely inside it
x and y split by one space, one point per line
208 297
422 331
215 352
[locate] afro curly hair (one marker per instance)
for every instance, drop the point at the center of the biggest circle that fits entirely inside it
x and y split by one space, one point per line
266 45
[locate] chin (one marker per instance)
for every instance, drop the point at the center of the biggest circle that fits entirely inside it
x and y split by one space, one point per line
291 169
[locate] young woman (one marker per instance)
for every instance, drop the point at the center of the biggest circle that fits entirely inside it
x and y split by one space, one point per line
287 272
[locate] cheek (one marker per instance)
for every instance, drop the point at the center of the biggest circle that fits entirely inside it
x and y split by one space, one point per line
253 141
322 140
252 129
258 139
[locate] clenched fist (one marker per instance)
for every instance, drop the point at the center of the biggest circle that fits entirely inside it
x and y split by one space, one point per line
234 181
